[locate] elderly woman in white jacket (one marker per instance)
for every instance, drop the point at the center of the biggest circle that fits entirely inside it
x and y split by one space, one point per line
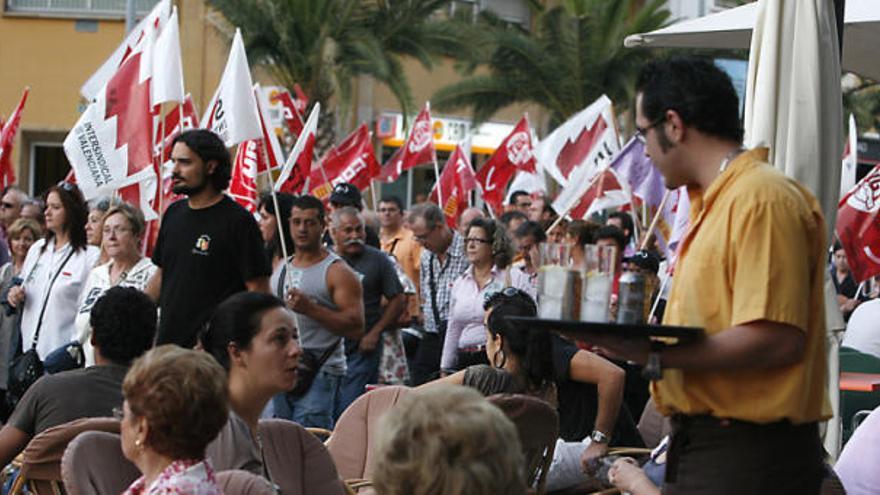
123 232
54 273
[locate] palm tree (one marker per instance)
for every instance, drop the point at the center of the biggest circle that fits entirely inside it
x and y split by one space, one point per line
324 45
573 55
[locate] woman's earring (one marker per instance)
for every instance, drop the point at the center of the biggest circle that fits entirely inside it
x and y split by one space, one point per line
495 357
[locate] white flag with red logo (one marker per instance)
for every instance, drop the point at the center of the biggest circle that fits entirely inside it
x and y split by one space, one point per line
299 162
601 192
181 117
152 23
232 113
353 161
419 146
111 145
858 226
457 181
514 154
587 140
8 132
243 186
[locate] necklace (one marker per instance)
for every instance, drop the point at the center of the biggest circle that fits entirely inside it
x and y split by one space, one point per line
728 158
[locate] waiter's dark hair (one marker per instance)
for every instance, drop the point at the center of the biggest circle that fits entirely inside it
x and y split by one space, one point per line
208 146
700 92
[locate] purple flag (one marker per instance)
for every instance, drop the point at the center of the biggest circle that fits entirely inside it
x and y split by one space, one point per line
639 173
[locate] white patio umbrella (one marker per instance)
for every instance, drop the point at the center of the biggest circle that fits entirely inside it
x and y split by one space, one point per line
732 29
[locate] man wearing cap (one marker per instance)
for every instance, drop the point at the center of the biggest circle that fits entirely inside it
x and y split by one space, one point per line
746 400
345 194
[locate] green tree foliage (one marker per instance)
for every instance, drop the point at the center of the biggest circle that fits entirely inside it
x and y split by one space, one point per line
573 54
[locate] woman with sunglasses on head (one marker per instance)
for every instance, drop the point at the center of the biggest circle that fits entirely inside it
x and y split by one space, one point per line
489 251
586 389
122 232
54 272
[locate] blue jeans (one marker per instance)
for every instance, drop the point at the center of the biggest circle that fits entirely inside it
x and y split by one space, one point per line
361 370
316 407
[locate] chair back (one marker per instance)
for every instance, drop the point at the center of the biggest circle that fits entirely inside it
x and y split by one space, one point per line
41 459
93 464
243 483
538 426
352 440
296 460
851 402
653 426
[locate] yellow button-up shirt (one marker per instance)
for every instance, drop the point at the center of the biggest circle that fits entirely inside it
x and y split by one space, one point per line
754 252
403 246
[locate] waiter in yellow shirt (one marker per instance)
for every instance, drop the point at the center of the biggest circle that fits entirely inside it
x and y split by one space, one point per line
745 401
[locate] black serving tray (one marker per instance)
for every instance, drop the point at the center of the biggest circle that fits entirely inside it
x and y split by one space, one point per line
584 330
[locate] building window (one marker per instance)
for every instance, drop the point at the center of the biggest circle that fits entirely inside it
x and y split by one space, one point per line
100 8
49 165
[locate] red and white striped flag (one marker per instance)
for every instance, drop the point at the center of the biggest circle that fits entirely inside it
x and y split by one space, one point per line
457 181
298 166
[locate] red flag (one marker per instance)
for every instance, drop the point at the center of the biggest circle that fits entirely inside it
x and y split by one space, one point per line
859 228
514 153
391 170
604 191
457 181
292 115
7 136
173 125
243 186
353 161
302 101
299 163
419 146
270 149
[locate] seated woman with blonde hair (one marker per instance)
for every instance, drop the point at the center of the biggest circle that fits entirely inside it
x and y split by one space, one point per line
447 440
175 404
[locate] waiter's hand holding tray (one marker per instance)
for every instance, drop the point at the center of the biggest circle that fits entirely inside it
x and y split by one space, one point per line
649 339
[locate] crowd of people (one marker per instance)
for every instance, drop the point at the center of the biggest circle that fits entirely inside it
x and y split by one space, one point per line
296 311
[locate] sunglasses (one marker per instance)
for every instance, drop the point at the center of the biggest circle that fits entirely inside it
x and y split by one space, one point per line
492 299
67 186
642 132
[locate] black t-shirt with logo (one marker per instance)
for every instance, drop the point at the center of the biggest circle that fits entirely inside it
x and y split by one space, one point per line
206 255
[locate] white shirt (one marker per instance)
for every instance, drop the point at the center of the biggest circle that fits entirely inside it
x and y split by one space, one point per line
96 285
857 465
39 268
863 328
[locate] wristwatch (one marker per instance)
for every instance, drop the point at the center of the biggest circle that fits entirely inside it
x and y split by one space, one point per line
599 437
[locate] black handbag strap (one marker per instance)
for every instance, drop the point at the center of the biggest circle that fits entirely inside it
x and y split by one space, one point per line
46 299
433 289
328 351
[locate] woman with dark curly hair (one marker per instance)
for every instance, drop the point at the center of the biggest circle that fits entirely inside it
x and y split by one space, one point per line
489 251
268 223
175 404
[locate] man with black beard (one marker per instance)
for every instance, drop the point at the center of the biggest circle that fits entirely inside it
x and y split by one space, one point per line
209 247
379 280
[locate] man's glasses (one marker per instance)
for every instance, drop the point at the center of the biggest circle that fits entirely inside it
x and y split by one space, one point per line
642 132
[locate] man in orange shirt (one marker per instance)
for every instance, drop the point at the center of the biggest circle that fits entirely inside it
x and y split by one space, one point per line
746 400
397 240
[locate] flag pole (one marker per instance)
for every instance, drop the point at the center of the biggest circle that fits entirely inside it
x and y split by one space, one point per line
562 214
650 233
280 228
161 161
